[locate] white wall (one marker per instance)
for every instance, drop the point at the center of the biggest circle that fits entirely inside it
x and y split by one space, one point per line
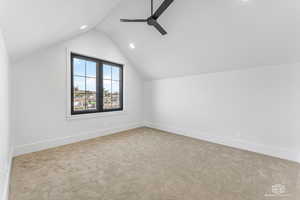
5 145
39 106
256 109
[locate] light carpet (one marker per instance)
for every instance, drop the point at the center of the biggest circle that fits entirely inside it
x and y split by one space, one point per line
148 164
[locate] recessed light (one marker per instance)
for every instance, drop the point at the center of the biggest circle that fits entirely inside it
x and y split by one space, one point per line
83 27
132 46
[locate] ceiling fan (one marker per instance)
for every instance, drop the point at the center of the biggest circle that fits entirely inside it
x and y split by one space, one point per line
152 20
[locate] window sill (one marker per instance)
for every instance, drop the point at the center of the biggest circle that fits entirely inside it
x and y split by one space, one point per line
96 115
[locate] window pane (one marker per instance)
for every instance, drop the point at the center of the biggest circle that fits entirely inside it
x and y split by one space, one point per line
91 84
79 101
91 93
90 69
115 73
106 94
115 94
106 71
115 87
79 93
91 100
115 101
79 67
79 83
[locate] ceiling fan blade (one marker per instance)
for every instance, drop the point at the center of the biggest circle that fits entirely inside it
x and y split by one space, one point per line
133 20
151 7
159 28
162 8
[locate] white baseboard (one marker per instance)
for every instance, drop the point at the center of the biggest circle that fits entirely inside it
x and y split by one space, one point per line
6 178
42 145
287 154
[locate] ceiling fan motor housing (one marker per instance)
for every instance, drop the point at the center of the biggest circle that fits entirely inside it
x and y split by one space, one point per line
151 21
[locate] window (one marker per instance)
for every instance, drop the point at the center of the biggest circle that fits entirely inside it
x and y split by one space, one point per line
96 85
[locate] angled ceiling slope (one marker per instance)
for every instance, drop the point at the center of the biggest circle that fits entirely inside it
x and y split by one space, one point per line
207 35
32 24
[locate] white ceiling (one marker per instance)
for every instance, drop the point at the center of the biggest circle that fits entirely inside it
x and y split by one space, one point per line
29 25
203 35
208 35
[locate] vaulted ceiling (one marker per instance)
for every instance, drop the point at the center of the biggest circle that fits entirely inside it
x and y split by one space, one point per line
29 25
203 35
208 35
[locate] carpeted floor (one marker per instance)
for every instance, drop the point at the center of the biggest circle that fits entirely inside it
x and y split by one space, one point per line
147 164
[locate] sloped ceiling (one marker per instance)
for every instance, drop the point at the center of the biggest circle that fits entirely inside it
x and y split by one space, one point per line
207 35
29 25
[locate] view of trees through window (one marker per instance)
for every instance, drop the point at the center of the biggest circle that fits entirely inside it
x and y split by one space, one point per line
84 85
111 90
86 81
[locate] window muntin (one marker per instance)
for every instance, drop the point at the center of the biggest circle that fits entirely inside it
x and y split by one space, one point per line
97 85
